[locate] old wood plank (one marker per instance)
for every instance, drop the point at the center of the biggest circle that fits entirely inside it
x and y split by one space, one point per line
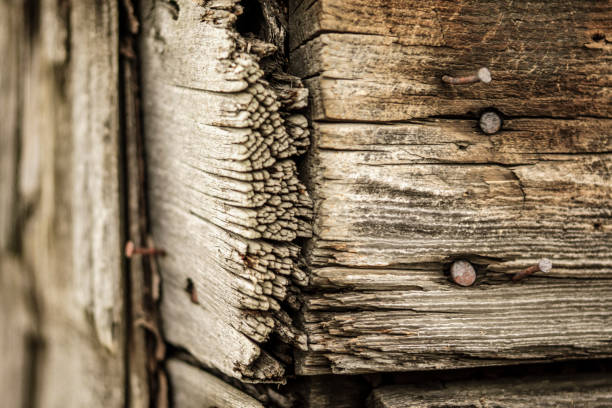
11 37
225 198
424 185
437 212
395 207
560 390
69 201
375 62
430 328
193 387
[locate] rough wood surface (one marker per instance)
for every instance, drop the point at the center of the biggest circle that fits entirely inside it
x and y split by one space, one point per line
68 238
383 61
225 198
195 388
11 36
396 203
584 390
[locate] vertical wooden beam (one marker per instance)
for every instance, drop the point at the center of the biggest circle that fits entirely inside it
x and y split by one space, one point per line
67 243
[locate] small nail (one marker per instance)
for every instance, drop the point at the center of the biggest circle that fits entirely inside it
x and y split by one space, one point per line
191 290
462 273
544 265
131 250
490 122
483 75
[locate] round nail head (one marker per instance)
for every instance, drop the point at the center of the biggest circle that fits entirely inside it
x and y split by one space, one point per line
463 273
490 122
129 249
545 265
484 75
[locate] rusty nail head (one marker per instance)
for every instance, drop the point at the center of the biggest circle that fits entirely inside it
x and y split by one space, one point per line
490 122
463 273
483 75
131 250
544 265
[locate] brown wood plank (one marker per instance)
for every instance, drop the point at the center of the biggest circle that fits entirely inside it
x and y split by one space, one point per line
561 390
11 37
383 61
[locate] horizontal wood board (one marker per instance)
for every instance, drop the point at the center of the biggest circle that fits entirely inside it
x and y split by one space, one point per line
381 61
562 390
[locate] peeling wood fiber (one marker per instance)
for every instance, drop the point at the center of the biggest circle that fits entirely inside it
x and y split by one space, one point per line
226 202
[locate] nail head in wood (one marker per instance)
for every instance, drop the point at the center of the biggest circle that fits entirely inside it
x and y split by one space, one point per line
483 75
490 122
544 265
463 273
131 250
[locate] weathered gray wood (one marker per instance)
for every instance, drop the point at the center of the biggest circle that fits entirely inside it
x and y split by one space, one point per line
11 36
383 61
193 387
584 390
225 197
397 203
68 238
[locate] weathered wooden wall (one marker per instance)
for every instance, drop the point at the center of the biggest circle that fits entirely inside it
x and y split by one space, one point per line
288 268
404 182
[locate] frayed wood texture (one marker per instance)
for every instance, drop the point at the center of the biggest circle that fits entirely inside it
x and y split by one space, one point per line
404 182
226 202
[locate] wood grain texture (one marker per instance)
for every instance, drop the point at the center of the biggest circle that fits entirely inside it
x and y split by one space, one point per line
69 244
194 388
383 61
396 203
11 31
18 325
225 198
585 390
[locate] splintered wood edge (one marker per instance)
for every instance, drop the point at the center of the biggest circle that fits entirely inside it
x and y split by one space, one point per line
230 208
